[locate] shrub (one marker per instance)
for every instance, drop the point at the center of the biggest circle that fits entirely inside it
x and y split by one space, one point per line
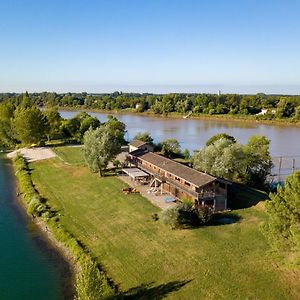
90 282
170 217
204 215
186 215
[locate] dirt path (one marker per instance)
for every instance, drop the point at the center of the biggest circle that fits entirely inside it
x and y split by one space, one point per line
33 154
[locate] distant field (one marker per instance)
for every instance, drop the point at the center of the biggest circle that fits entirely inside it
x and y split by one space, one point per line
217 262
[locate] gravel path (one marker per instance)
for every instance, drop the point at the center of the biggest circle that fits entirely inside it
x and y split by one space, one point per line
33 154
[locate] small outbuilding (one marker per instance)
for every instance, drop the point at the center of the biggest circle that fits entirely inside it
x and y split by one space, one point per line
140 145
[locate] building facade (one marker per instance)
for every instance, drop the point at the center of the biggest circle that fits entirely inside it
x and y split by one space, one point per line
181 181
137 144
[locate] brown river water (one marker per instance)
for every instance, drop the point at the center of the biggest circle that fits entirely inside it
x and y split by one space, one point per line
193 133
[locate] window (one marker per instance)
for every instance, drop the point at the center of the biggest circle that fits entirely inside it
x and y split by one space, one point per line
187 183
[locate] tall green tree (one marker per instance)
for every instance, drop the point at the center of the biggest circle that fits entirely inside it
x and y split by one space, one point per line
87 123
54 119
258 160
7 138
223 159
30 125
249 164
283 225
117 128
100 147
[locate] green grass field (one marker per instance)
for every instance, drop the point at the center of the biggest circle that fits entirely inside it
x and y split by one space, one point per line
145 257
72 155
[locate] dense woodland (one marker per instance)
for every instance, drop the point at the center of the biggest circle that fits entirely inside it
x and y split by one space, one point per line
278 106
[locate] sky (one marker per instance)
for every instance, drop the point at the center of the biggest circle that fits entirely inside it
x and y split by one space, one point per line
155 46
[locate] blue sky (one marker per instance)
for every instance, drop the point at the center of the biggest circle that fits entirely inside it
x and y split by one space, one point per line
244 46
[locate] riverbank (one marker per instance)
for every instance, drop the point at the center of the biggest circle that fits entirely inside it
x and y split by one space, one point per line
174 115
63 258
27 256
82 267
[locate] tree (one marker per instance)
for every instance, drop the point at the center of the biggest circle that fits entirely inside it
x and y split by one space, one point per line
222 159
170 148
100 146
117 128
7 138
144 136
283 226
30 125
87 123
249 164
70 128
26 101
219 136
186 154
259 162
77 126
54 120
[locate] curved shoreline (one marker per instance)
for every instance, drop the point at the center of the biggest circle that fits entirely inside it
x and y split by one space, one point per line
220 118
49 245
84 267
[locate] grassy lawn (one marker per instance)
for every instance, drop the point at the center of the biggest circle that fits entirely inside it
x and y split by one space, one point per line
72 155
145 257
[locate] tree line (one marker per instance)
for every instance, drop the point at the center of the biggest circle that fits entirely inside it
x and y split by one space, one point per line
24 123
272 106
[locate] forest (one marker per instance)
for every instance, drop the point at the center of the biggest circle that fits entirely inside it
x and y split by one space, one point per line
259 106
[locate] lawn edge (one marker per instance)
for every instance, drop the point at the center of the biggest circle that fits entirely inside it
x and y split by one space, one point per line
70 248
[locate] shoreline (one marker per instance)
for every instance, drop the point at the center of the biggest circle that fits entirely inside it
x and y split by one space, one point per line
55 250
220 118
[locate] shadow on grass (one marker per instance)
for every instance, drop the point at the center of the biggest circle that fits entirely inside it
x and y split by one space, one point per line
241 196
224 219
149 291
62 143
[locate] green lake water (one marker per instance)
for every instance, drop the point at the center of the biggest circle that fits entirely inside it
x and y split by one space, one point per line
29 269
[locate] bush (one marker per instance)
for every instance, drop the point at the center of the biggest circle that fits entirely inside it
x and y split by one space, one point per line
90 282
204 215
170 217
186 215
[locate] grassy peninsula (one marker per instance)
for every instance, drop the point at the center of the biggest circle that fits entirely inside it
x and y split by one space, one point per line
146 259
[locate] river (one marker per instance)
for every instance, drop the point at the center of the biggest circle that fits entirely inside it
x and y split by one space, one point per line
193 133
30 269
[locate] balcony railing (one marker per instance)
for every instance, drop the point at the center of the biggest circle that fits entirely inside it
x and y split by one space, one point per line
172 182
197 195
